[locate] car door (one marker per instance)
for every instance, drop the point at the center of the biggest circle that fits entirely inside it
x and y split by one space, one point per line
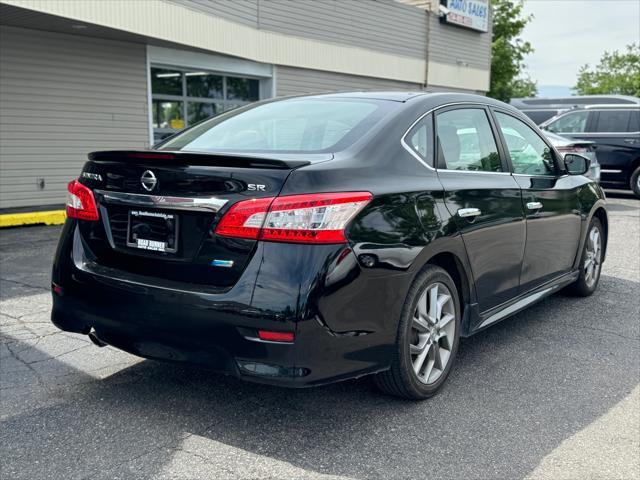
483 198
617 136
549 199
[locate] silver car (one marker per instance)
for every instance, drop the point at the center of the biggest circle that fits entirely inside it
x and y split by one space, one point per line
586 148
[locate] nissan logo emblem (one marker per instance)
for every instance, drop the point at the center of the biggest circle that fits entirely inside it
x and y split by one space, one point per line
148 180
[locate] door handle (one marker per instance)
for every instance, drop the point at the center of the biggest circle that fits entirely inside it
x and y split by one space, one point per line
632 141
469 212
534 205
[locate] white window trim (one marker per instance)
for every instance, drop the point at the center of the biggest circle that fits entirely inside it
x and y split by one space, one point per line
208 61
218 64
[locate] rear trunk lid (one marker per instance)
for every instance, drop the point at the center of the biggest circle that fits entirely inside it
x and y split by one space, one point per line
158 211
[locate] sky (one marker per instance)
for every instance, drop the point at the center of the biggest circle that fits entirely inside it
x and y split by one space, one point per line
566 34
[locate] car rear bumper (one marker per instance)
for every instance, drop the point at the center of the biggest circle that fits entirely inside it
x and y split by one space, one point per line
149 326
333 340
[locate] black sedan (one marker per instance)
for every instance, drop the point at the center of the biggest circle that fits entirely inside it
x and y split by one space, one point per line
307 240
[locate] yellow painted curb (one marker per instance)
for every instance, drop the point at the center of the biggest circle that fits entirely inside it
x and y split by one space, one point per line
52 217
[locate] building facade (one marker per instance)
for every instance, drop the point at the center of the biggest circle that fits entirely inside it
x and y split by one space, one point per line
84 75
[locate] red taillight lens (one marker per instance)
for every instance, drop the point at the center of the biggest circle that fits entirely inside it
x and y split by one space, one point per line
270 336
311 218
81 203
244 219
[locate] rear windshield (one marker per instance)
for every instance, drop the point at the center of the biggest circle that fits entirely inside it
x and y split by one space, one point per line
539 116
287 126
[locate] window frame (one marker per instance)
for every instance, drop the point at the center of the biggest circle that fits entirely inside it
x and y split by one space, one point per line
186 99
492 125
587 124
595 114
427 122
559 167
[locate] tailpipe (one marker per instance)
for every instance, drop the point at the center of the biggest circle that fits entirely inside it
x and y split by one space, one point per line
94 338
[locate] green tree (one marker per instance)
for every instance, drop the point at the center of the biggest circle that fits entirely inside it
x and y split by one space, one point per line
617 73
508 51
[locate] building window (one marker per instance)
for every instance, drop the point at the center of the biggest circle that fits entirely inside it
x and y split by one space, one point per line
180 97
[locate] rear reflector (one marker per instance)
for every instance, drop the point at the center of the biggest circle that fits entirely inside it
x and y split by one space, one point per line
310 218
275 336
81 203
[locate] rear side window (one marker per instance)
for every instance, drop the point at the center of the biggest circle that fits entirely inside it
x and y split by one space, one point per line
574 122
418 139
466 142
539 116
290 126
612 121
634 122
529 154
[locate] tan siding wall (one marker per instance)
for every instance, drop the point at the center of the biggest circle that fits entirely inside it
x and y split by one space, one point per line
382 25
61 97
451 44
240 11
296 81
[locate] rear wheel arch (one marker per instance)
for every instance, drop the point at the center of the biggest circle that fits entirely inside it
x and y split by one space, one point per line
632 168
455 268
633 175
601 214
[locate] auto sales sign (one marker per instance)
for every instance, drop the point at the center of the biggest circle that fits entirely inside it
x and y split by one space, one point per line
473 14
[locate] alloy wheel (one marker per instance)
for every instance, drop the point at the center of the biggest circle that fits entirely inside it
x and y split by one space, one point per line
433 332
593 257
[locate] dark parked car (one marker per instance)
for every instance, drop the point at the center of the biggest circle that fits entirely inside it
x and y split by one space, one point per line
541 109
615 130
586 148
312 239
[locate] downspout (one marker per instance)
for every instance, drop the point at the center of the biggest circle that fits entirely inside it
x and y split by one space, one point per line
427 17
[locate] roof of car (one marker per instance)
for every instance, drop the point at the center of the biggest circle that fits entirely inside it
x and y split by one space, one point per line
405 96
394 96
572 101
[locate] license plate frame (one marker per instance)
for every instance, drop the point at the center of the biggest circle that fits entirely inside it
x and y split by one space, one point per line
137 240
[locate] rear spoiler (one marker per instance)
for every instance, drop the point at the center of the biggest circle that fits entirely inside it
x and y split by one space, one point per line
215 159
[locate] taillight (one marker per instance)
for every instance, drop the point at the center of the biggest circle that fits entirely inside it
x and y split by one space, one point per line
244 219
310 218
81 203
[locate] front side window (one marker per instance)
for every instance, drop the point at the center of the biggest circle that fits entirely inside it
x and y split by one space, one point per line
293 125
183 97
529 154
612 121
574 122
465 141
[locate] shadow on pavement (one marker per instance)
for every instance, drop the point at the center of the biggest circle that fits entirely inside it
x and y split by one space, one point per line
518 390
622 194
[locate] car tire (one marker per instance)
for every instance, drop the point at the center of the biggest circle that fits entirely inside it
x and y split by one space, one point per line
414 374
590 261
635 182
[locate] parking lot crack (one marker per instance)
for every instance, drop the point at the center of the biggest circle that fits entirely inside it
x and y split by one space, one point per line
608 332
36 374
164 445
48 359
24 284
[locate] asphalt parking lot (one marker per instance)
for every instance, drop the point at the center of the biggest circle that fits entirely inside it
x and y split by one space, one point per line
551 393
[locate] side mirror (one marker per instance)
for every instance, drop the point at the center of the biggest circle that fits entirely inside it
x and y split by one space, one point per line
576 164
